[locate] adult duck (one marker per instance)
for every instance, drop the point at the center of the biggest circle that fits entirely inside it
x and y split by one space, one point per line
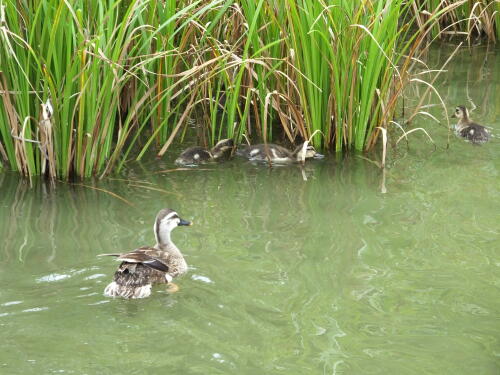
141 268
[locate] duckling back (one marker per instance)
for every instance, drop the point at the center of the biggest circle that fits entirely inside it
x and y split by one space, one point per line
199 155
474 133
468 129
266 152
270 152
222 148
193 155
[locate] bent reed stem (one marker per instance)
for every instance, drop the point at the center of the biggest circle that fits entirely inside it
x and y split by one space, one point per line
125 77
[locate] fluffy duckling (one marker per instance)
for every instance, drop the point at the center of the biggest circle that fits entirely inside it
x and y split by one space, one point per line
141 268
198 155
273 153
468 129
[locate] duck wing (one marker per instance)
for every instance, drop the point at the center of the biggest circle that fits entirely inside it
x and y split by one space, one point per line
149 256
475 133
193 155
268 151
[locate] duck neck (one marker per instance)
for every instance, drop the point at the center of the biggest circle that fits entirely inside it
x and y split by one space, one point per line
300 152
464 121
162 237
164 242
462 124
170 248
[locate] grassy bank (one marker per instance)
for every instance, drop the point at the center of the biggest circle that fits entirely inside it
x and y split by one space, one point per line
87 84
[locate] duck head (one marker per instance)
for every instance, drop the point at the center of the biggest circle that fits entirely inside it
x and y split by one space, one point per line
461 113
307 151
166 220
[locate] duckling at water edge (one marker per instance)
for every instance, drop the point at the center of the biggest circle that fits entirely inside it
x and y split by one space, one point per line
270 152
198 155
468 129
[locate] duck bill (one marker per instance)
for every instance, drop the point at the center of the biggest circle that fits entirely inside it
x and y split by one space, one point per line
318 156
185 222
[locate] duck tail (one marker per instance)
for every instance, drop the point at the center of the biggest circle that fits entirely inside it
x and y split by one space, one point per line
126 291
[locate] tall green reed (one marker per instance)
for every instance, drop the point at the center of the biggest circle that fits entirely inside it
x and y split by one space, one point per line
107 69
308 66
460 18
127 76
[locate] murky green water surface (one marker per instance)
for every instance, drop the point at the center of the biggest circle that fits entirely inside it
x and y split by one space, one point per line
287 276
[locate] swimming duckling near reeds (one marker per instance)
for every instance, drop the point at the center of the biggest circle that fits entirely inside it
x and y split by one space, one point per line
468 129
199 155
141 268
272 153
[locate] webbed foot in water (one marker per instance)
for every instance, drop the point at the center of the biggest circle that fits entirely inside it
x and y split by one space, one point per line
172 288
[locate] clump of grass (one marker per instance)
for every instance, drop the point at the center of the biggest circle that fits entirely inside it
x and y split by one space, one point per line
103 65
461 18
124 77
337 67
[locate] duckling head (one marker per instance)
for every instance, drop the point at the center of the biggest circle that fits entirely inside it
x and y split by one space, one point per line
312 153
307 151
166 220
461 113
222 147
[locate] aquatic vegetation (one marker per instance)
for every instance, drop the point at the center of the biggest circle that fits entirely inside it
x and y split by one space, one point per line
126 77
101 65
460 18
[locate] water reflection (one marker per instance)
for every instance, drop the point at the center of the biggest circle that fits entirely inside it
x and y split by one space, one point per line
323 275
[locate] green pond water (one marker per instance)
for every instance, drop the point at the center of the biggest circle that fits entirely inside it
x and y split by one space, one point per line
330 269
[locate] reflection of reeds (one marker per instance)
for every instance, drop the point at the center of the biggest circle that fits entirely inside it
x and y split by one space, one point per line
39 225
125 74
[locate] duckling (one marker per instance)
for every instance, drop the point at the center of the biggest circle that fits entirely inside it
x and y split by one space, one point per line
468 129
141 268
198 155
270 152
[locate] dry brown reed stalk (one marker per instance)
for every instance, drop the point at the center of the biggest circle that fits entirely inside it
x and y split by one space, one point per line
406 133
182 170
46 140
3 154
146 187
254 67
184 116
452 18
114 195
430 87
13 119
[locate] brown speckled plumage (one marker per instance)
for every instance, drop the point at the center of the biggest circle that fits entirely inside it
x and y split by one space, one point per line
141 268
